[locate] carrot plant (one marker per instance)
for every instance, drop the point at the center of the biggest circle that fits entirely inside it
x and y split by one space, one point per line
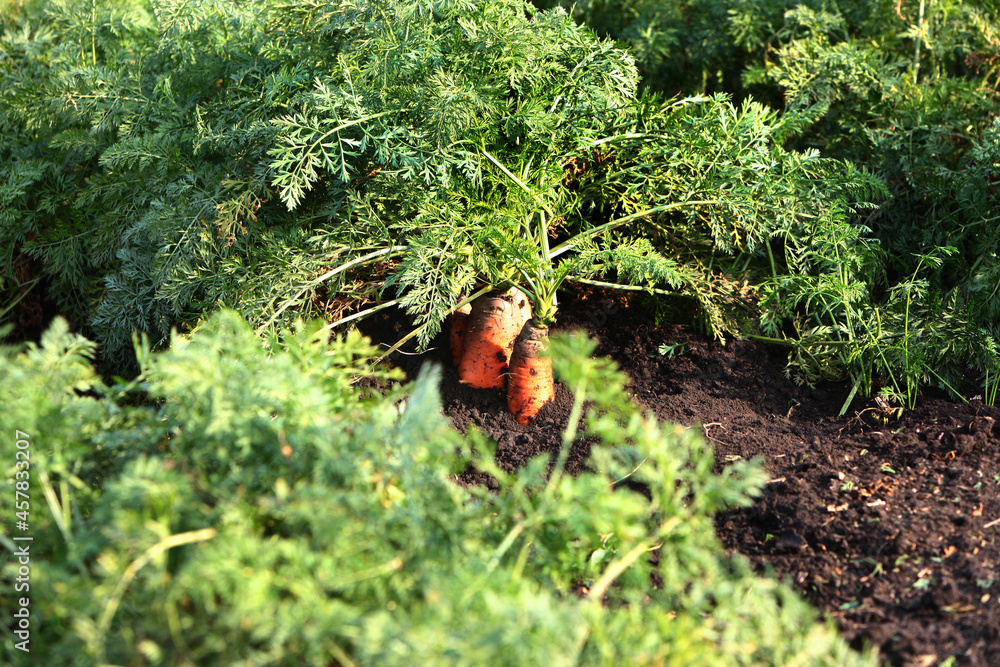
697 171
524 256
274 157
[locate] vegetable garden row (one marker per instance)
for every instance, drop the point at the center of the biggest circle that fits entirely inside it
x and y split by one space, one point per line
814 175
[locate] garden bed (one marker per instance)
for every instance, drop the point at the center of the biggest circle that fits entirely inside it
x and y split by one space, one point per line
888 524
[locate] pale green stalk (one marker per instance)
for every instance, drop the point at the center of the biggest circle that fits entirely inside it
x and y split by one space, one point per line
326 276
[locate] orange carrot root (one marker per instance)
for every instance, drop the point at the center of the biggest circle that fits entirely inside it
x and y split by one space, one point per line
459 323
492 329
529 379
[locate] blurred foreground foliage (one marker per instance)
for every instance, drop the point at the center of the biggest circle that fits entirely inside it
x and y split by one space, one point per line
238 504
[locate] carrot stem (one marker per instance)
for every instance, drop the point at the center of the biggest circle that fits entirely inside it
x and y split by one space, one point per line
402 341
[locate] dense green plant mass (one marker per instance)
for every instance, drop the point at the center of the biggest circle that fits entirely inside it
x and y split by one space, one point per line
154 170
242 502
288 158
919 109
686 47
239 505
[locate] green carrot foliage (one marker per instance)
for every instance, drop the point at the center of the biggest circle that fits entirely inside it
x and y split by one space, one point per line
241 504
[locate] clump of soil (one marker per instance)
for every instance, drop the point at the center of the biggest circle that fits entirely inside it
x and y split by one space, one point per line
887 523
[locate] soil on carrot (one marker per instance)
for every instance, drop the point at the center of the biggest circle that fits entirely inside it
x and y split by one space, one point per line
890 524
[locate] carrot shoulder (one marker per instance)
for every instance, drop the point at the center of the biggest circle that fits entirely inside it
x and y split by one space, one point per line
529 379
492 328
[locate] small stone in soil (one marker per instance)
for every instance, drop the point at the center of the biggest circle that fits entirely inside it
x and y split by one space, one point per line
789 541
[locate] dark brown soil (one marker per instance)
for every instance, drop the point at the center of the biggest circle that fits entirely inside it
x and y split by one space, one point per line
888 524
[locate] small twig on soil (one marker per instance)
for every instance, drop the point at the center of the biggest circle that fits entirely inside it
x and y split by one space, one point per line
408 354
991 524
358 315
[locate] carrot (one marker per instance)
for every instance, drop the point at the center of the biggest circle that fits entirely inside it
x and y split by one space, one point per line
459 323
529 379
492 328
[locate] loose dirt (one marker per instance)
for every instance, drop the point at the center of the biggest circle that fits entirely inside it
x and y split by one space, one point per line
888 523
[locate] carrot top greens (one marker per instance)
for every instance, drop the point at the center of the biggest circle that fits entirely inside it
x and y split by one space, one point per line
302 158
